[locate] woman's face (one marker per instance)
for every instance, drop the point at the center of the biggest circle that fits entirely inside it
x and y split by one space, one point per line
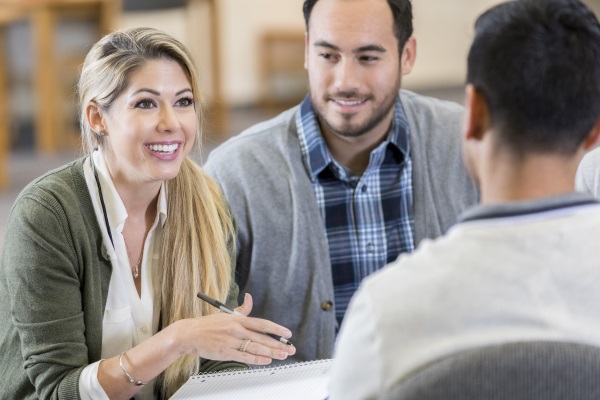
151 126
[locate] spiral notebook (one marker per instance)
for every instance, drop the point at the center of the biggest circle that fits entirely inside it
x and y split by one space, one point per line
302 381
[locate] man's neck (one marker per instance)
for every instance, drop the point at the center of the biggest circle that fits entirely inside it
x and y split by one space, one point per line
529 178
354 153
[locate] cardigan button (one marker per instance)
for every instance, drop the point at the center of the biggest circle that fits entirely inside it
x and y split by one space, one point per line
327 306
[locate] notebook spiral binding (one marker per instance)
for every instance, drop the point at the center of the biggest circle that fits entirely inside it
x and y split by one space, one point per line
234 372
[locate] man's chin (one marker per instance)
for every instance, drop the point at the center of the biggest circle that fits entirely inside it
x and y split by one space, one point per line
349 131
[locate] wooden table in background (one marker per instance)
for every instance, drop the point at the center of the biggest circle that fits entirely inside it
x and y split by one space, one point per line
43 15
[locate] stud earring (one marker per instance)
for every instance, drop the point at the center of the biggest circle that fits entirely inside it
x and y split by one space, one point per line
101 133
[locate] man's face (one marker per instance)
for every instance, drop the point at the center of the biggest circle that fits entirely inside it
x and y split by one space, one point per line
354 66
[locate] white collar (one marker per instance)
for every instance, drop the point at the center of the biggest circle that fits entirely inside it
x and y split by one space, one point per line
115 209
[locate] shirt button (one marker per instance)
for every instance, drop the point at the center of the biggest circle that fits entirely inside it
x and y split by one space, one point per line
144 329
370 248
364 188
327 306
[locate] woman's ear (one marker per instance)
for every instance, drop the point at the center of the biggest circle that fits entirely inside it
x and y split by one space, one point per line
95 118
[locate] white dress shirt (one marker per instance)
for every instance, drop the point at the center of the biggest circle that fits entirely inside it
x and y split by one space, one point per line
129 318
499 279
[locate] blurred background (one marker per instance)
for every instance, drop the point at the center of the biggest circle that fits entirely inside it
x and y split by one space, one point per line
249 54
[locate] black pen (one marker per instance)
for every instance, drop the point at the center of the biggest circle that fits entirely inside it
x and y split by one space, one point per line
225 309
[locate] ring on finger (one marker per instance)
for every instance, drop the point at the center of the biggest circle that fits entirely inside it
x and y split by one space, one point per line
244 345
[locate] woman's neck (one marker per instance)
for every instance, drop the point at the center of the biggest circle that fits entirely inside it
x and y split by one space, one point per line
140 199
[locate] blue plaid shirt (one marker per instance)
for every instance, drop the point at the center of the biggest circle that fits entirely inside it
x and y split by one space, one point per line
368 219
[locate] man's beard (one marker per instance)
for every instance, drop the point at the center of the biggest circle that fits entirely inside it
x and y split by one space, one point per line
350 130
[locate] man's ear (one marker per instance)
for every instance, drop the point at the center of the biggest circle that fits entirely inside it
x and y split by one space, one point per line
477 118
593 138
409 55
306 50
95 117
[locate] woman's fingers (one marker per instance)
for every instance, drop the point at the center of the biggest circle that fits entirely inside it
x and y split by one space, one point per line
260 349
222 336
268 346
250 358
254 347
246 306
260 325
255 352
265 326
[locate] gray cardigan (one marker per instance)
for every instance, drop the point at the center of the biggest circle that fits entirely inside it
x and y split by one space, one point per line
283 257
54 278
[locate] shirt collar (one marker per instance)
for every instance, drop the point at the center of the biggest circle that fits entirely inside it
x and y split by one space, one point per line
527 207
117 214
316 155
161 206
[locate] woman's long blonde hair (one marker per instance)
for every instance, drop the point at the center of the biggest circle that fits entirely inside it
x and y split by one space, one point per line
194 244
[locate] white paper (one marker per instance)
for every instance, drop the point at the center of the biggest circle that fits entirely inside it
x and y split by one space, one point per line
300 381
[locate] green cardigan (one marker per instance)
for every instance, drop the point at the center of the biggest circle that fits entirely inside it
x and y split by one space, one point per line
54 277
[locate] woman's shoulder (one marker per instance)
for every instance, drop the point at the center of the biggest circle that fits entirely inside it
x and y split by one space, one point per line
63 175
56 187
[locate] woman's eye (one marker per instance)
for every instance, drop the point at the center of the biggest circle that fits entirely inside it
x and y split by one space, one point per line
185 102
146 103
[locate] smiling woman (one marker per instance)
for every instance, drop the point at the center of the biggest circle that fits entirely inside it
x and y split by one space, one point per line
103 257
150 128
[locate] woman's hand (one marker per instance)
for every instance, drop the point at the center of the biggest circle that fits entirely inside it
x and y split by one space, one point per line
223 337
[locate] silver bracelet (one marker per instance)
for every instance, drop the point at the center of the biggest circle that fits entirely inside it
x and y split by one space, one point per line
129 377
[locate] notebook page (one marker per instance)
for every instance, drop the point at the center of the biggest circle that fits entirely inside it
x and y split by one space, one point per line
300 381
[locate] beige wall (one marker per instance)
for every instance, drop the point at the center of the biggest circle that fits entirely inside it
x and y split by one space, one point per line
190 26
242 23
443 29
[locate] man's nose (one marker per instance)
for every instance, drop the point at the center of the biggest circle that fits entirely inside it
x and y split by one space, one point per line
347 76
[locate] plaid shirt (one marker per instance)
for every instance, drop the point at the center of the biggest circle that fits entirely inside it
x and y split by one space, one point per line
368 219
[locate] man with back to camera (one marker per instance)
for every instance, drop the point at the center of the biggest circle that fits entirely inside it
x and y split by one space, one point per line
523 265
335 188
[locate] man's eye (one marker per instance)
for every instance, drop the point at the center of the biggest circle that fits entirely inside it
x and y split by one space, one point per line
327 56
369 58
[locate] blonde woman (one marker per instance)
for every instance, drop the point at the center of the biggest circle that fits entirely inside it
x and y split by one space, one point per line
103 257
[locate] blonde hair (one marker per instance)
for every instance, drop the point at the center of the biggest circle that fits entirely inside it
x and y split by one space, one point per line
194 244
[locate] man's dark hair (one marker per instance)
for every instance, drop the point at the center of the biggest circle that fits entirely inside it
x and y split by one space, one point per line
401 12
537 63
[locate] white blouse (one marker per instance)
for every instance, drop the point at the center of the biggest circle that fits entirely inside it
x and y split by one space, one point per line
129 319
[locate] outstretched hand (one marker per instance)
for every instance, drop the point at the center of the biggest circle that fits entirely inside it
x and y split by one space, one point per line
223 336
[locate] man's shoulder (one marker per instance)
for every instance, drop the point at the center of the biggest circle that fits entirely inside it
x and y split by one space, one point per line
435 125
413 274
268 134
429 116
418 103
588 173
